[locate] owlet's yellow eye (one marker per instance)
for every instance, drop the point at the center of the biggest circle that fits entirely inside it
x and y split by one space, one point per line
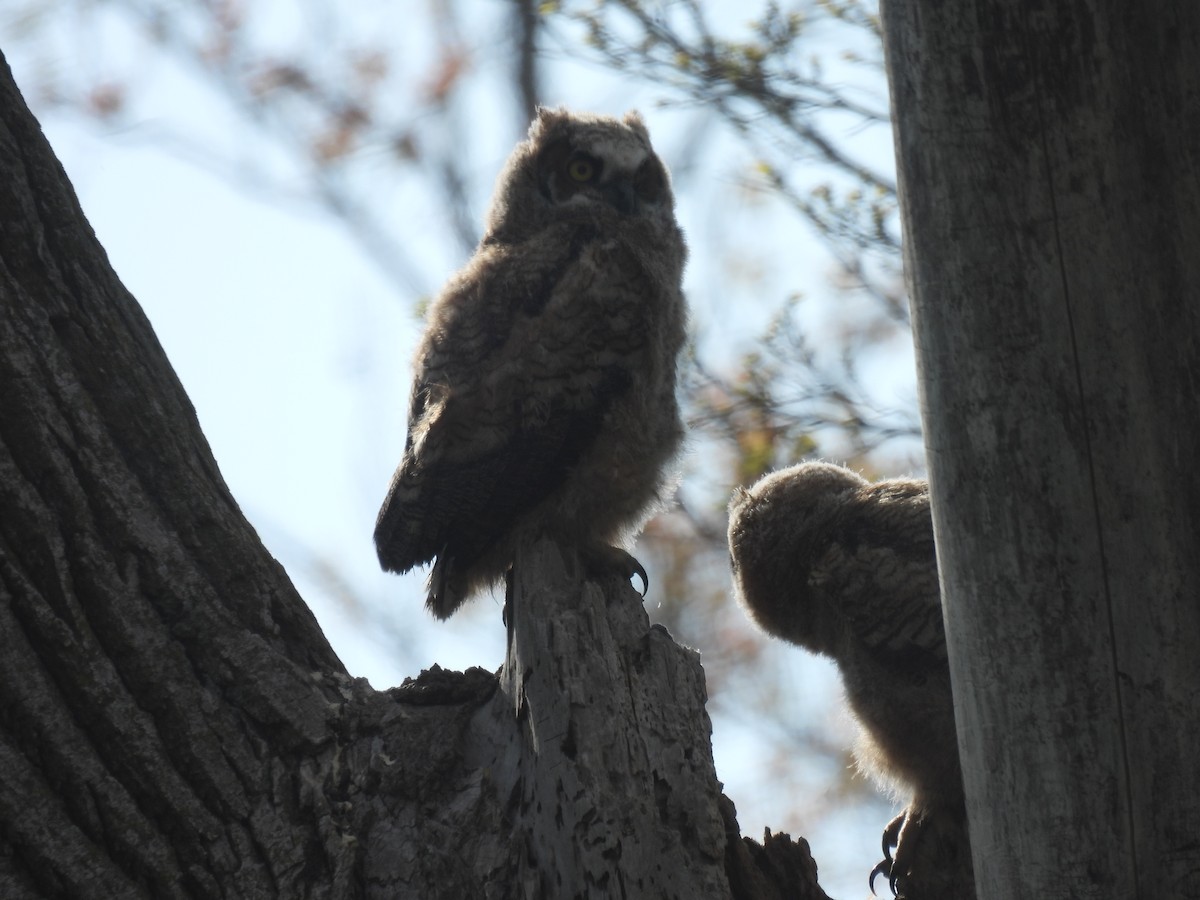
581 170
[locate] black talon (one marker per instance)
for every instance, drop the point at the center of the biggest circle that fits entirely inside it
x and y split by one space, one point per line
601 560
891 838
883 867
640 572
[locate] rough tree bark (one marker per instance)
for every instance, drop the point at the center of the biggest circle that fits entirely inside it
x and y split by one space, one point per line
173 722
1050 168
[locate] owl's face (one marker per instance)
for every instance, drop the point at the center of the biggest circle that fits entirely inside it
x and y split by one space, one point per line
576 166
626 176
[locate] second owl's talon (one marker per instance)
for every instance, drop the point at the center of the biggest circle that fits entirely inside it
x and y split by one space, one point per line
883 867
886 866
891 834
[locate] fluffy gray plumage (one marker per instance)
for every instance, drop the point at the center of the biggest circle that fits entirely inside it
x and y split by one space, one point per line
543 401
847 569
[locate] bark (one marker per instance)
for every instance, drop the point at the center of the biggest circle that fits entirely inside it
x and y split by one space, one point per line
1051 202
174 724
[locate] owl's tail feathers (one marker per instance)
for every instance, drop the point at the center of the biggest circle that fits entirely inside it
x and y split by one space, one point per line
406 532
400 550
412 530
448 590
394 545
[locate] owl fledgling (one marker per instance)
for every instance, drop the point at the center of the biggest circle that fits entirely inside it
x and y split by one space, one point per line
846 568
543 401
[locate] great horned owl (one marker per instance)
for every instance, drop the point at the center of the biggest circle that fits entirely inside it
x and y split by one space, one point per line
544 396
846 568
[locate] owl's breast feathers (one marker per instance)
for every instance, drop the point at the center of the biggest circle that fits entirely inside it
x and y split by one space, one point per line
530 350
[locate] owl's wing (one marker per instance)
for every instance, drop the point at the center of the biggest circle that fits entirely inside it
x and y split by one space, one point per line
526 359
879 568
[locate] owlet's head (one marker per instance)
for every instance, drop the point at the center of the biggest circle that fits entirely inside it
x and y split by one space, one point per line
576 166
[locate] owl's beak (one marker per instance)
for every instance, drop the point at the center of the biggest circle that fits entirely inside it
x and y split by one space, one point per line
621 195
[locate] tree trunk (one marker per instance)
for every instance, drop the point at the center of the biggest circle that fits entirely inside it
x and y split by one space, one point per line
1050 167
174 724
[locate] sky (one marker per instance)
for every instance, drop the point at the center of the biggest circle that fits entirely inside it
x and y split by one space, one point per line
294 345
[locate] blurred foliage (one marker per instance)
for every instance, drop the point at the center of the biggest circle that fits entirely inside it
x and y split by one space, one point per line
350 106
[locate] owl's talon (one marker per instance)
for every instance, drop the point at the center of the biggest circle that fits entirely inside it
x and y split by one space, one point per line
601 559
883 867
628 565
891 834
886 866
640 572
